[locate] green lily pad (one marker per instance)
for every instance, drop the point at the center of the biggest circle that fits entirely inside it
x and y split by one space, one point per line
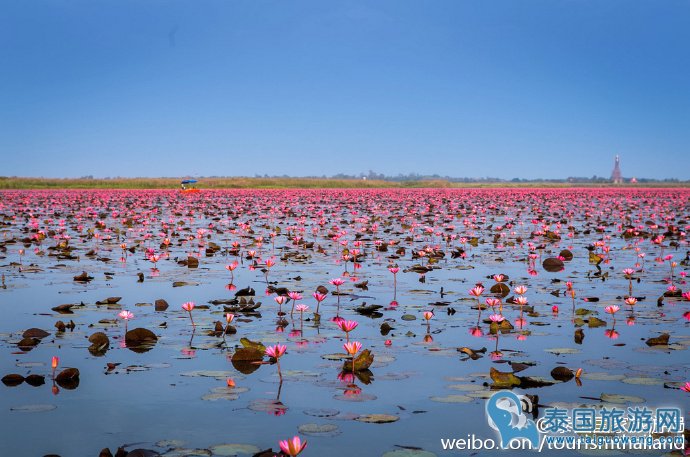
319 429
466 387
234 449
455 398
181 452
224 393
409 453
336 357
602 376
377 418
622 399
563 351
219 375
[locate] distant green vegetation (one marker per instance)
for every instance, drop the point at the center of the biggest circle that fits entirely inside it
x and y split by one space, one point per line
289 183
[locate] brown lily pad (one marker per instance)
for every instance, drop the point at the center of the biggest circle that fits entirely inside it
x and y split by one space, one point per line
12 380
160 305
63 309
140 335
503 379
35 333
553 265
362 362
35 380
27 344
562 374
660 340
83 277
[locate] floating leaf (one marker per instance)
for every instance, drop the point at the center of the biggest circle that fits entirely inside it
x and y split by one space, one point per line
659 340
377 418
33 408
563 351
455 398
234 449
321 412
618 398
503 379
319 429
643 381
553 265
409 453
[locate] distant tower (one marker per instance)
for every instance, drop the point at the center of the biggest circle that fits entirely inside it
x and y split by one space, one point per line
616 175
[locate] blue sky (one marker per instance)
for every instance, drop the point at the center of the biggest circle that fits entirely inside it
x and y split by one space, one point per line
509 89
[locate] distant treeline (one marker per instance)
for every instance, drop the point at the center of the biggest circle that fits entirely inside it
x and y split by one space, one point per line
213 182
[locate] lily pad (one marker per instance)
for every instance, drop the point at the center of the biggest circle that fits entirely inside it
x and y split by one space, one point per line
234 449
409 453
377 418
321 412
456 398
622 399
559 351
643 381
40 408
319 429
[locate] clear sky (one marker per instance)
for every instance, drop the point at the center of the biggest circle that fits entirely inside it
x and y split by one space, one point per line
514 88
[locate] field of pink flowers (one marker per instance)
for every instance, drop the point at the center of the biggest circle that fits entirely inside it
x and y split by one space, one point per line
229 322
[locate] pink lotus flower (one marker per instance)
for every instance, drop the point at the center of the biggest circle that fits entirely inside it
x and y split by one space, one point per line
270 262
630 301
280 299
229 317
521 300
301 308
189 306
293 446
686 387
569 285
337 282
499 278
353 347
388 342
477 291
612 309
126 315
428 315
232 266
496 318
686 295
295 296
520 290
394 270
493 302
276 351
554 309
347 326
